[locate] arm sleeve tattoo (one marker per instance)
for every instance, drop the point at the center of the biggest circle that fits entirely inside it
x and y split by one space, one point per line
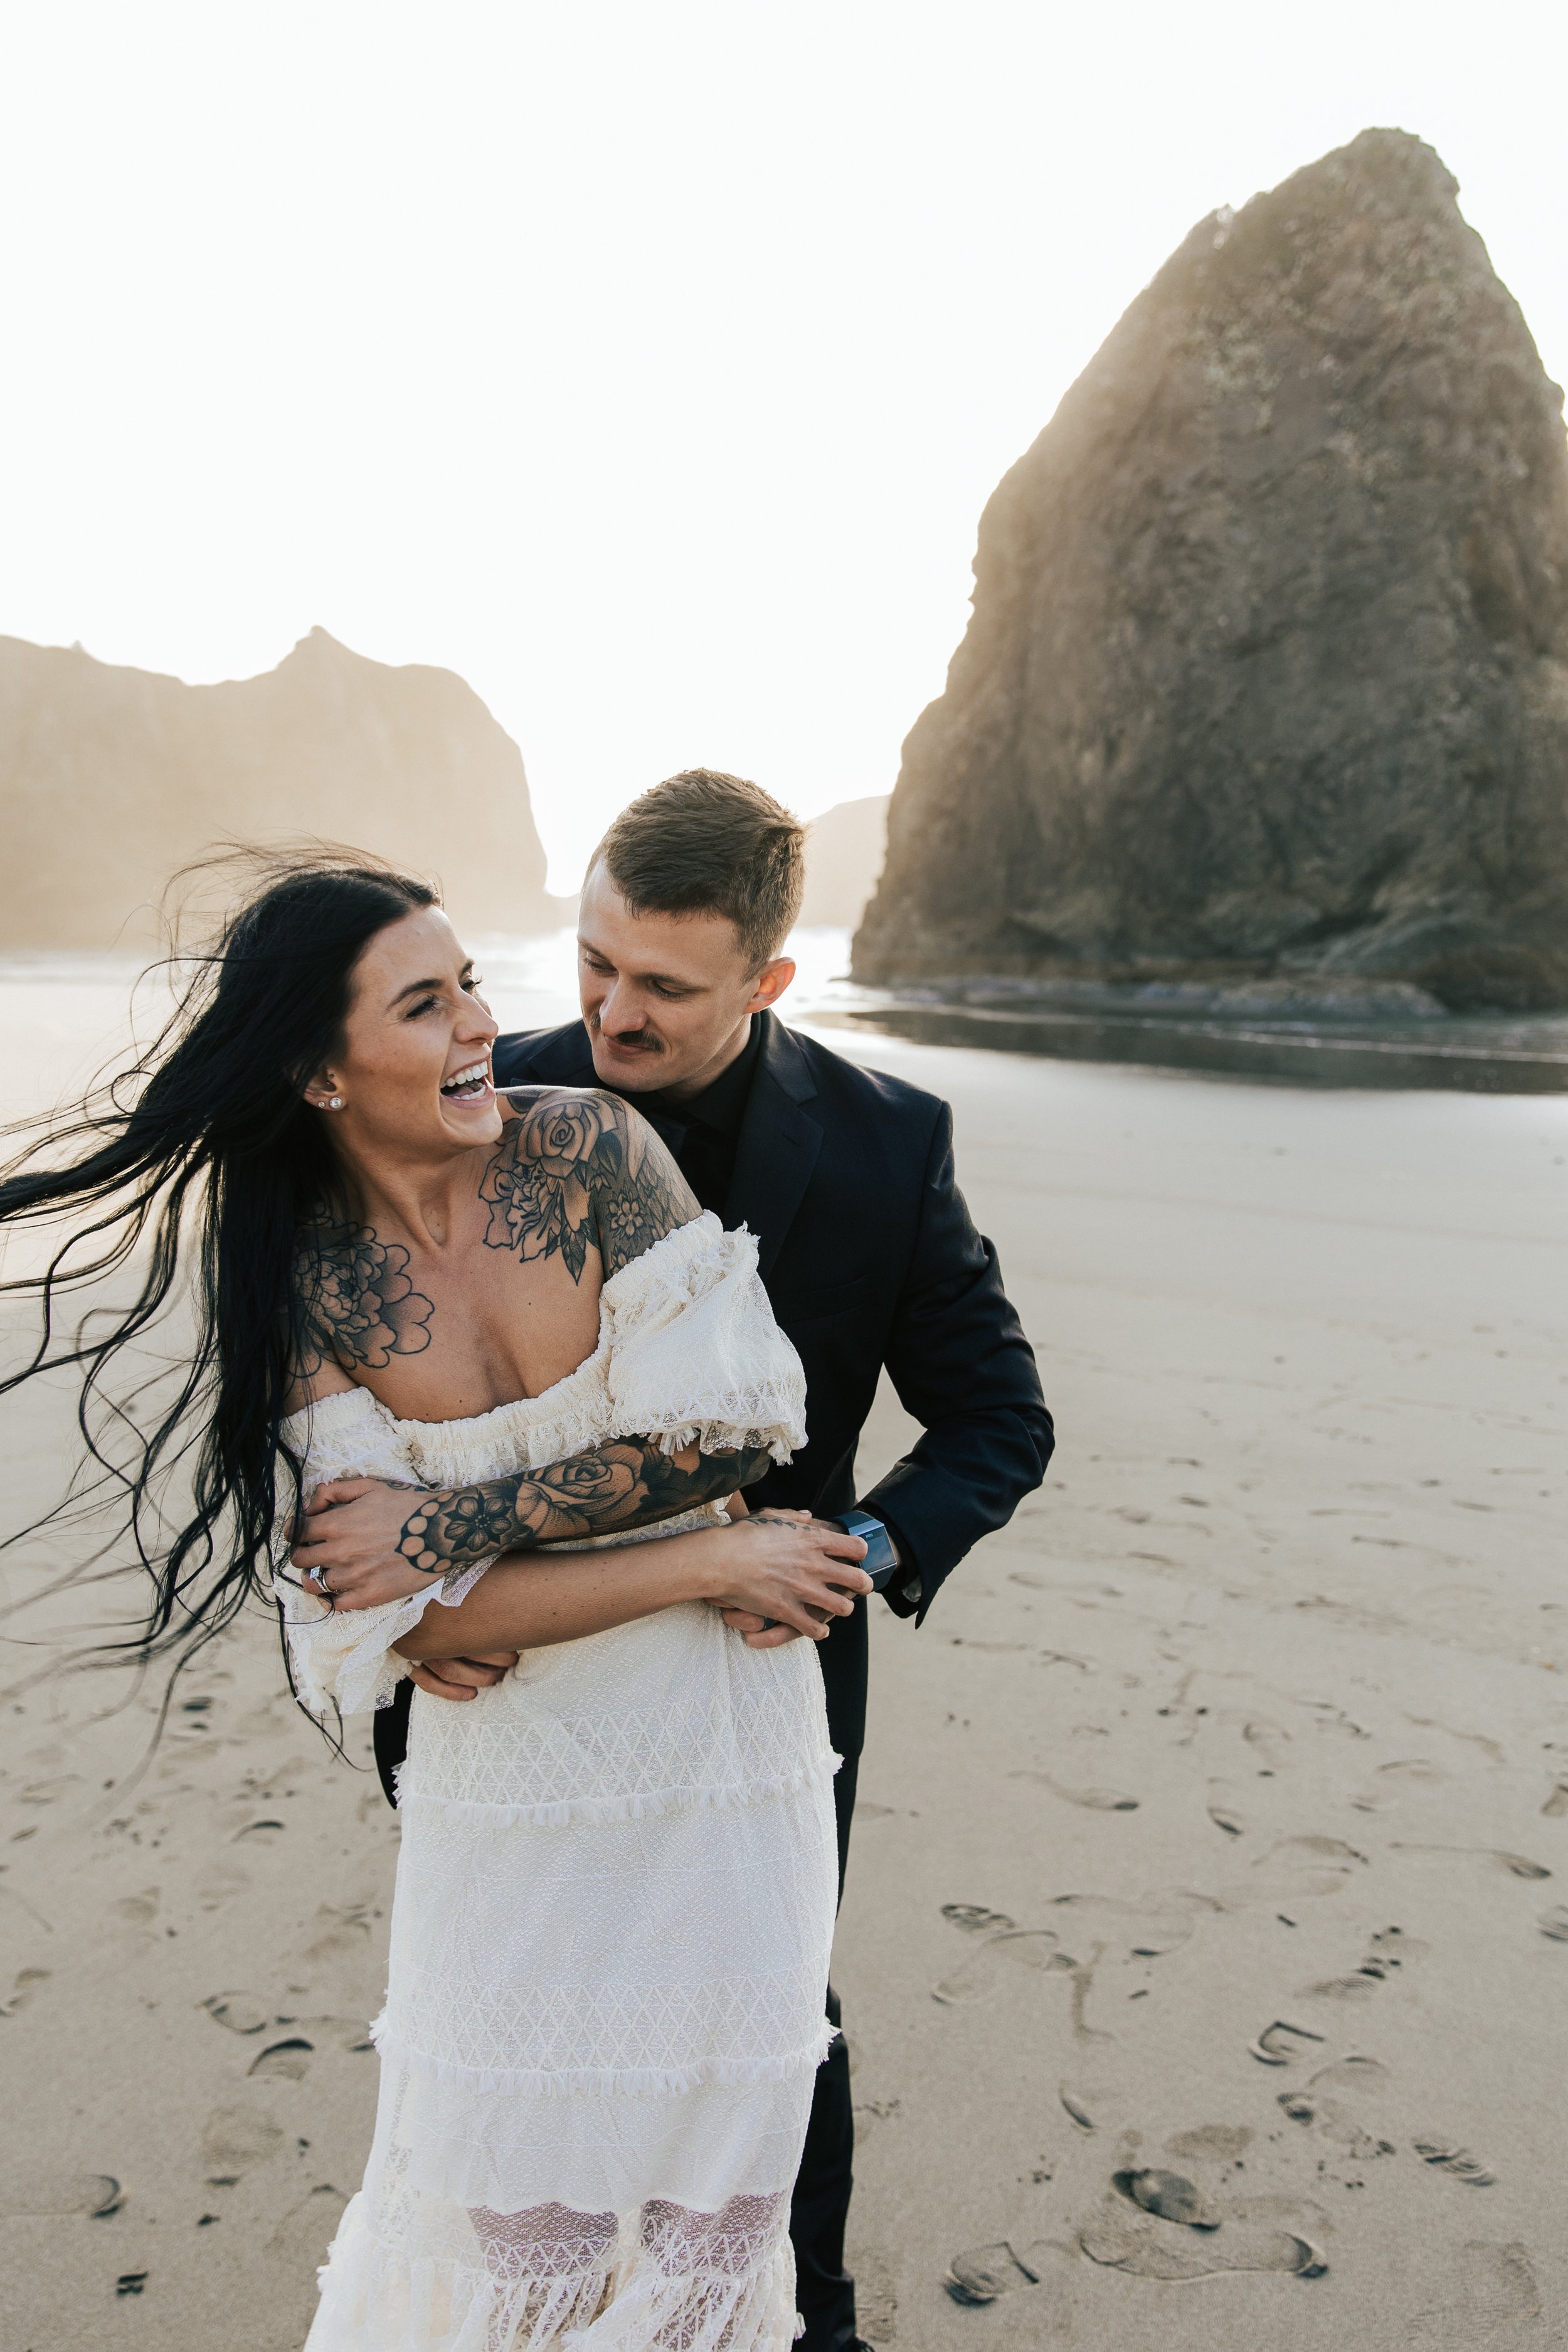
581 1169
624 1483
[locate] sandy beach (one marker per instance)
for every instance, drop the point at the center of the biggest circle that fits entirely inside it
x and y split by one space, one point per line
1212 1842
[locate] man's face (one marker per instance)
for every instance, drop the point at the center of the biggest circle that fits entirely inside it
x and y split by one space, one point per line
666 998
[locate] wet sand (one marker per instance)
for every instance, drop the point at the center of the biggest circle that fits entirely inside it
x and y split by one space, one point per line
1214 1825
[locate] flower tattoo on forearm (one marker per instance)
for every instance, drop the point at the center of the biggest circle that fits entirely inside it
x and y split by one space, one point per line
629 1482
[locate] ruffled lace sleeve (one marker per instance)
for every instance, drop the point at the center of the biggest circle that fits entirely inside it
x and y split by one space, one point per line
343 1661
695 1356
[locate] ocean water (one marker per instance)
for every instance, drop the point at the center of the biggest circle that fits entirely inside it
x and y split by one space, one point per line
1387 1038
63 1017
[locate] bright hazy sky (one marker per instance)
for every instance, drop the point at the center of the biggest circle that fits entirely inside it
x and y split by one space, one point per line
646 363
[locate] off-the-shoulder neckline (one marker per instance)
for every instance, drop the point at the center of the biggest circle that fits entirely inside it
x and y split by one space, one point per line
328 1409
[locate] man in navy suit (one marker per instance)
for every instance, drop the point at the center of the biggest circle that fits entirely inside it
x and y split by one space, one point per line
866 1247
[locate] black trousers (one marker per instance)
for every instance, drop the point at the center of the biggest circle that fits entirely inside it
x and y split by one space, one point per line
819 2209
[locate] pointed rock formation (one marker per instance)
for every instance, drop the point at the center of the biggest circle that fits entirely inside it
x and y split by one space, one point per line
111 779
1268 672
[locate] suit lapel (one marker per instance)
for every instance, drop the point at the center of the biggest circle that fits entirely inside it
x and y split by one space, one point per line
550 1058
778 1145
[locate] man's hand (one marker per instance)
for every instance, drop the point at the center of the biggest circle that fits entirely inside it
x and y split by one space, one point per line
347 1551
461 1677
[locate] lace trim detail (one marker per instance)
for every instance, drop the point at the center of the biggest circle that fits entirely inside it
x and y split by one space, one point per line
670 2279
605 2082
734 1379
648 1806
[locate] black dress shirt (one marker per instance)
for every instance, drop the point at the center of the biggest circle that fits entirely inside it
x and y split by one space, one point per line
703 1132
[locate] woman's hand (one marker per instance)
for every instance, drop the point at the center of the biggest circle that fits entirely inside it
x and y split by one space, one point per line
349 1557
779 1574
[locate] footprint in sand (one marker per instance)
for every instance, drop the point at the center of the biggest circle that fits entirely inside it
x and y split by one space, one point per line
242 2012
345 2033
1554 1923
1353 2073
1488 2288
986 2272
283 2062
1141 1931
1095 1800
1085 2107
25 1985
344 1929
998 1958
1267 1740
235 2138
1282 1887
1327 1849
1280 2043
1387 1951
1556 1804
1123 2237
219 1885
975 1918
307 2229
1390 1781
265 1832
1169 2195
1447 2155
1496 2284
30 2194
1517 1865
870 2113
138 1910
1470 1738
1317 2107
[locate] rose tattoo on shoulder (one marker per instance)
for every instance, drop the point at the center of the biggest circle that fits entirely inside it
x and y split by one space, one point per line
581 1168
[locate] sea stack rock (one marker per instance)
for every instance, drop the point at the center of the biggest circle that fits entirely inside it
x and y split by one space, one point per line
111 779
1267 671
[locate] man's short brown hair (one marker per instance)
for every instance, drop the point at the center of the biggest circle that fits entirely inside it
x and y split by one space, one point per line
704 843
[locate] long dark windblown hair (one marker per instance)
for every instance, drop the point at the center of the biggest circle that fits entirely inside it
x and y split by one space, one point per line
207 1134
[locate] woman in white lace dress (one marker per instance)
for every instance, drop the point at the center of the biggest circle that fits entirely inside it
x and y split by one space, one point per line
617 1876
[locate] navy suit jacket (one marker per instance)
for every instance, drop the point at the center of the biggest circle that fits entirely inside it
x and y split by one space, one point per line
871 1258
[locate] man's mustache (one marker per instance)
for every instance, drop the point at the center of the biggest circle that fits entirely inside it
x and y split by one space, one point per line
629 1041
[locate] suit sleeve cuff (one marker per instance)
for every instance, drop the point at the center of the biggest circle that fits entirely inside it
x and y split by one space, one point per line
905 1591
